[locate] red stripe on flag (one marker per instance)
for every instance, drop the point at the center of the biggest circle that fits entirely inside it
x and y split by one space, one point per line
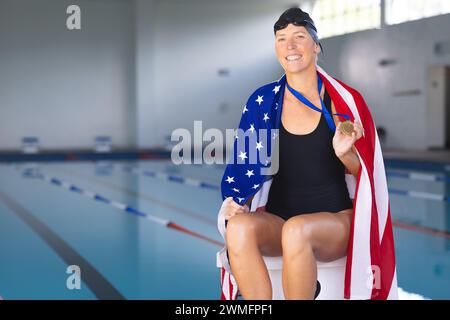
382 254
375 253
385 248
222 276
368 152
342 107
366 148
388 253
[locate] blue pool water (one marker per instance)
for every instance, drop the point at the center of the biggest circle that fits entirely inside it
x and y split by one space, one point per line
130 255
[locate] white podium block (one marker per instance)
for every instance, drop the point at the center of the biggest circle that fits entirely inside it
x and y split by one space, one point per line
30 145
331 276
103 144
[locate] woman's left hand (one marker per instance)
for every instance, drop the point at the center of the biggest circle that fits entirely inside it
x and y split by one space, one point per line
343 143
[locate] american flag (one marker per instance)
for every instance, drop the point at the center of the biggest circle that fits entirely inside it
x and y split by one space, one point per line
371 243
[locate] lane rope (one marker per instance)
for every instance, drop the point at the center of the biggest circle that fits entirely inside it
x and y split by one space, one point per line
118 205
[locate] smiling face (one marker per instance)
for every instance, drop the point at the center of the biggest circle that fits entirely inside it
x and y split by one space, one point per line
295 49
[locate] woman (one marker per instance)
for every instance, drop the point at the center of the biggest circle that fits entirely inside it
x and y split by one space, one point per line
308 214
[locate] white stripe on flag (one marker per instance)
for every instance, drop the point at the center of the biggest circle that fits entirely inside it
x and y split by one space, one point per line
393 292
381 188
361 258
226 285
234 289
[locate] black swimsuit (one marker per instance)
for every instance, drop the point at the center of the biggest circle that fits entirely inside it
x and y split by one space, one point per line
310 177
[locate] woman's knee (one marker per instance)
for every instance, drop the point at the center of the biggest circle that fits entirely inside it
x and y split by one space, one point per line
241 231
296 235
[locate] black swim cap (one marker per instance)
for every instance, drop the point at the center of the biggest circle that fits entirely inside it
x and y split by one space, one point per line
298 18
295 16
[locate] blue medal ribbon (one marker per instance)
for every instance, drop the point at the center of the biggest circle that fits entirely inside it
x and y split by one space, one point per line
324 110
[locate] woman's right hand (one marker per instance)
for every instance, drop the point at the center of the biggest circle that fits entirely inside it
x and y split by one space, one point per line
232 208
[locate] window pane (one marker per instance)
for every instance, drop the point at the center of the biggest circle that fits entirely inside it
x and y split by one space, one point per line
335 17
398 11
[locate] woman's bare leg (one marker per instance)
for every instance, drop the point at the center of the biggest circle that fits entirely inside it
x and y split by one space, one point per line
249 237
305 238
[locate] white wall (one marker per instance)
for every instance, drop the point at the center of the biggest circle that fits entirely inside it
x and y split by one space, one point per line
141 68
147 123
66 86
354 58
193 40
196 38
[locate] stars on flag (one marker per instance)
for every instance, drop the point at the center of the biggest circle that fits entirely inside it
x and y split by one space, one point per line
243 155
258 112
259 145
276 89
230 179
259 100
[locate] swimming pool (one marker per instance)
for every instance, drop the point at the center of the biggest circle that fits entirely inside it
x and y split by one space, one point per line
147 229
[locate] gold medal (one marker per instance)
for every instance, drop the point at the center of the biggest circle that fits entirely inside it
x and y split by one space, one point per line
347 127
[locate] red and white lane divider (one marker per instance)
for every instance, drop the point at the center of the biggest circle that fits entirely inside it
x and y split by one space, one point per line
121 206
